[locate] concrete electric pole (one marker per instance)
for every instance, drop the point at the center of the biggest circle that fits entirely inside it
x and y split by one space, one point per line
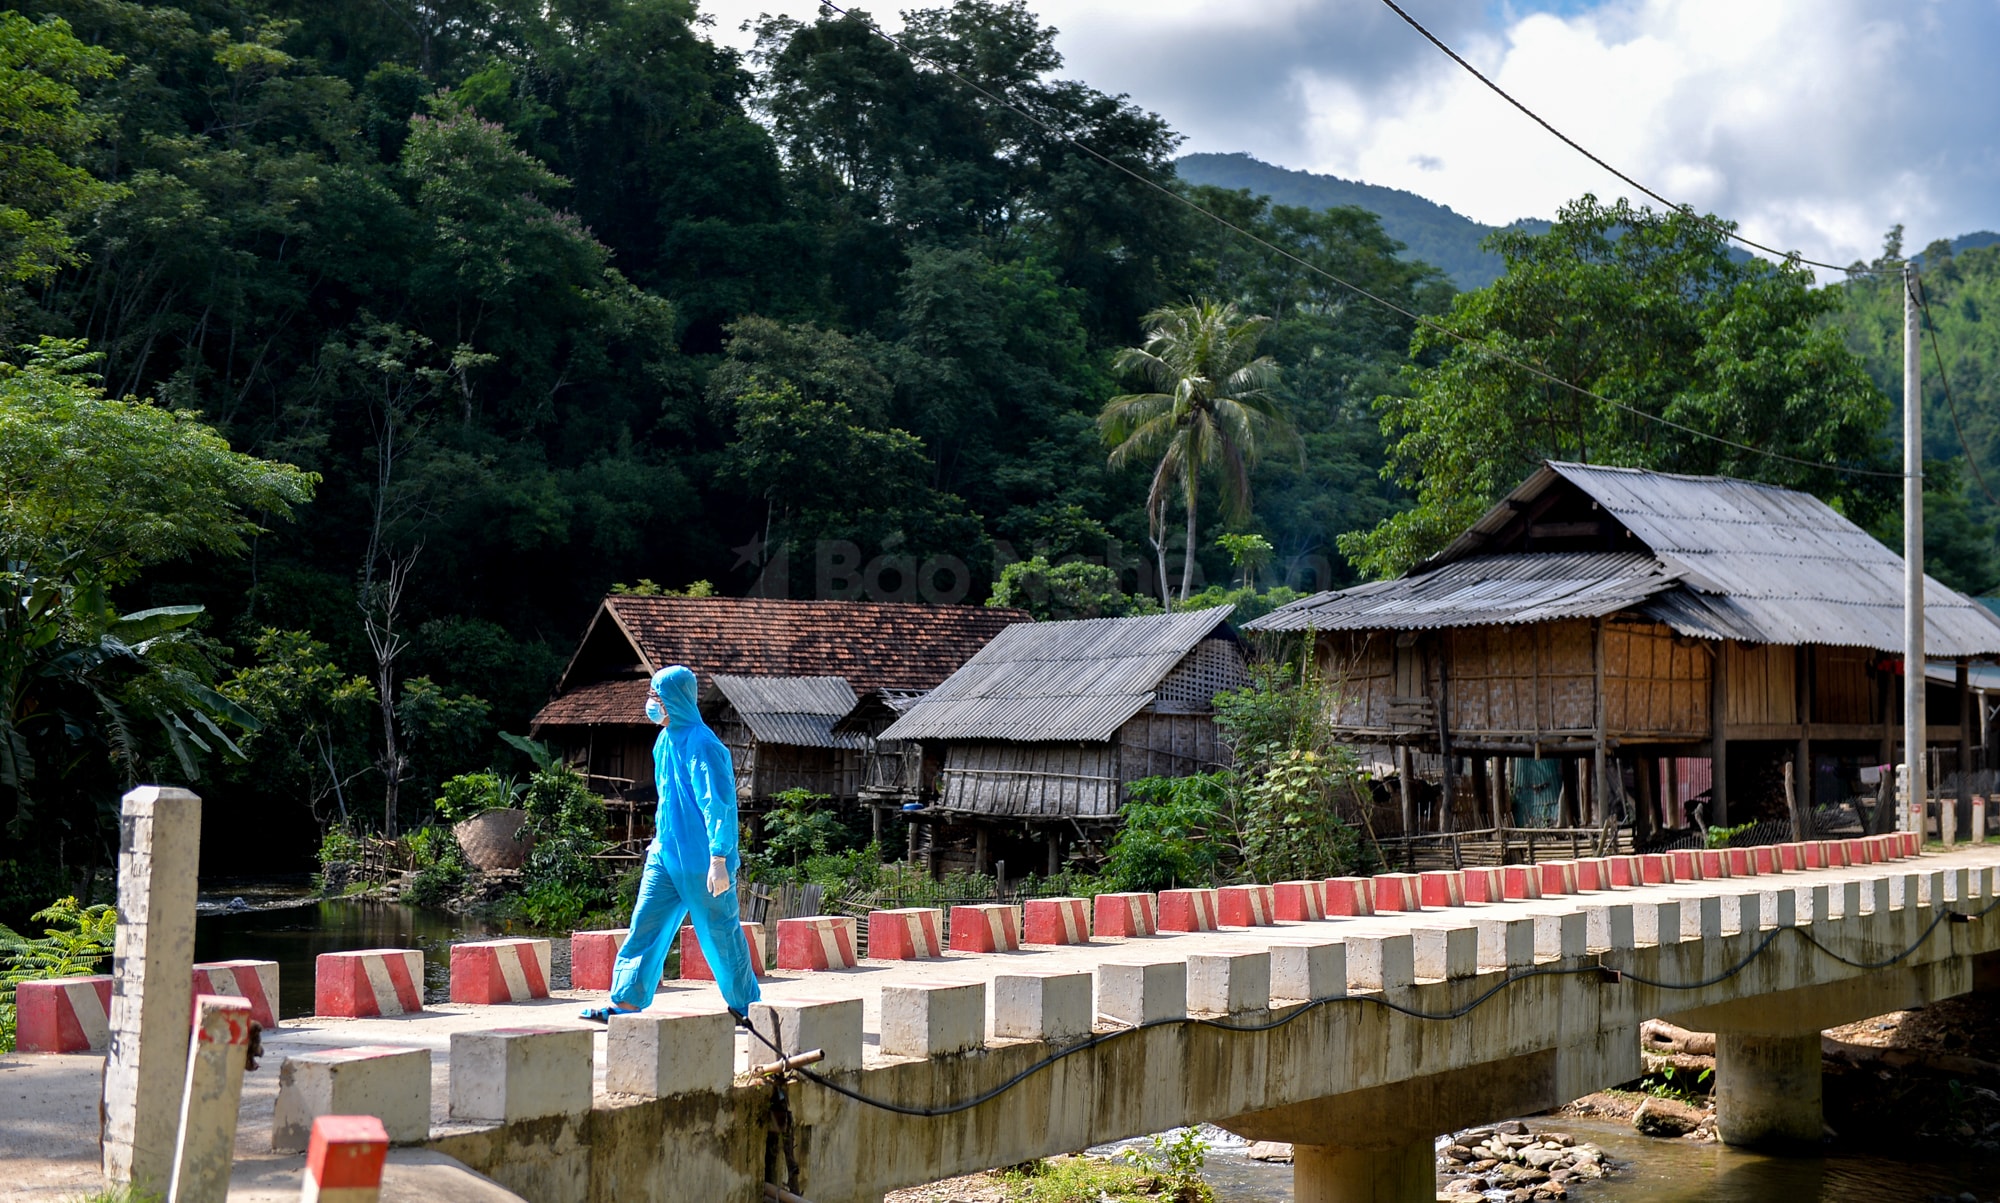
1913 560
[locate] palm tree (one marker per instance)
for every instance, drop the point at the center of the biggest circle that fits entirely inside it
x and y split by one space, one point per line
1211 407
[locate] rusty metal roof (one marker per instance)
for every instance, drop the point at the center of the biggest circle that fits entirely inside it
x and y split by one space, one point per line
1739 560
1078 680
796 711
1483 591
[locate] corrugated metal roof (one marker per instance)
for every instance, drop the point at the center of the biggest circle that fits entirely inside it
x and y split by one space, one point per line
1482 591
1752 562
1078 680
796 711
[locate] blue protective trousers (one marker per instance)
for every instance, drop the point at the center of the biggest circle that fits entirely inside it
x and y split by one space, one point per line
666 896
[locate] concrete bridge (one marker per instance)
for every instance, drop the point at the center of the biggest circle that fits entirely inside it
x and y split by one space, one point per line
1357 1037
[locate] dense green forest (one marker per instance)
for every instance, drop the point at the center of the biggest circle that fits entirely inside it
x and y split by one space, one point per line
498 305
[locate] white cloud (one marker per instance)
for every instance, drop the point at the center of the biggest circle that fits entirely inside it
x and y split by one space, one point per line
1815 124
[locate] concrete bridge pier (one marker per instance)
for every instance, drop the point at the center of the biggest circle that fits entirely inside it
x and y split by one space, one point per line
1767 1089
1332 1174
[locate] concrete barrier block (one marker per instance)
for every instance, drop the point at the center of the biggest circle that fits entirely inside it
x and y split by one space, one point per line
387 1081
1349 896
1138 992
1686 863
1558 878
1957 885
1445 953
1764 859
484 972
1228 983
1609 928
508 1074
1299 901
1814 853
657 1054
63 1015
1380 962
1714 863
253 981
1978 820
933 1019
376 981
1625 872
694 962
1791 857
1656 869
1840 854
1903 890
1188 910
832 1025
1932 889
1657 922
1308 970
1521 882
1041 1006
1816 903
1561 936
1741 914
1056 921
1441 888
344 1160
1740 862
986 927
817 942
1127 915
911 933
593 955
1246 906
1589 875
1701 918
1869 898
1485 885
211 1099
1397 892
1505 944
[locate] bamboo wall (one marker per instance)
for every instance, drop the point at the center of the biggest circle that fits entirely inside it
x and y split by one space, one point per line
1078 780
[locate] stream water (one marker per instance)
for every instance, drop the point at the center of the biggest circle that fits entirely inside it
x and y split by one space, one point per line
287 924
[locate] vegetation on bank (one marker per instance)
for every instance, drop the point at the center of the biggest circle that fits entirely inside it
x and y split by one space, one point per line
75 940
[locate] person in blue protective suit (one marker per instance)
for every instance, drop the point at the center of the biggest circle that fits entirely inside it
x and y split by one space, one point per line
691 866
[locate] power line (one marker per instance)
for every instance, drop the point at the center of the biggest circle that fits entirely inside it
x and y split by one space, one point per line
1951 403
1358 290
1579 148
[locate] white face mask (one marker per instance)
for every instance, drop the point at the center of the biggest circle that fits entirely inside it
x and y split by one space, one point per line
655 711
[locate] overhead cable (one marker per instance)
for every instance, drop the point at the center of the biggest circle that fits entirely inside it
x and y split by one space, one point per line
1419 319
1579 148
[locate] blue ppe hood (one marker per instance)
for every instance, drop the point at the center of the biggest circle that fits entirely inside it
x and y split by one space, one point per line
696 780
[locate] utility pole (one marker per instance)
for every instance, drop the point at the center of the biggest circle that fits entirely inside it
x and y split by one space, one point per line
1913 560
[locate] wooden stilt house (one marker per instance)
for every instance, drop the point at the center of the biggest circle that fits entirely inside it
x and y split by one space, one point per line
1039 735
1602 625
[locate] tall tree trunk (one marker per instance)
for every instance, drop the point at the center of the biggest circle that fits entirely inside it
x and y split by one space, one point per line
1187 566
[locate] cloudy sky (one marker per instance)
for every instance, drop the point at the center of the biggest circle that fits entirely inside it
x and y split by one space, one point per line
1816 124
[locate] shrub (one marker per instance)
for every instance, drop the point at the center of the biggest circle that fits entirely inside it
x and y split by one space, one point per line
1176 832
471 794
75 941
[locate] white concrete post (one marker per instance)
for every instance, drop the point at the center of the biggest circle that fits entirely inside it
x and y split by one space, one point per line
145 1067
655 1054
832 1025
1228 983
209 1104
1308 970
509 1074
1445 953
936 1019
1041 1006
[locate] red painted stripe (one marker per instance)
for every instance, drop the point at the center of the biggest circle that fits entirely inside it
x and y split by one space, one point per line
399 977
531 972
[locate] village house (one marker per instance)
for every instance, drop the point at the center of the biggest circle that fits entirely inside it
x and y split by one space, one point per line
776 676
1601 632
1042 732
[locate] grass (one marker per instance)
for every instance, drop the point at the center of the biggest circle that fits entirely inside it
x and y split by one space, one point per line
116 1194
1076 1179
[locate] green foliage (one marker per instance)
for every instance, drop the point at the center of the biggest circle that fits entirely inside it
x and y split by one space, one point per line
1078 1179
1293 778
562 880
312 739
45 190
440 864
1652 311
74 941
1175 833
470 794
650 588
339 846
1249 603
1177 1157
1072 589
1719 837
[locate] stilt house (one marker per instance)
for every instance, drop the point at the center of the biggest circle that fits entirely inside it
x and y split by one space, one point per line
1041 733
775 677
1602 625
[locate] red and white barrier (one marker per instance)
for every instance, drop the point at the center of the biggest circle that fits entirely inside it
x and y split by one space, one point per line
1397 892
1521 882
1711 864
377 981
986 927
63 1015
694 962
1558 877
253 981
1625 871
1441 887
1590 875
816 942
1127 915
913 933
1188 910
1655 869
1764 859
1740 864
1791 857
593 955
1300 901
1485 885
1057 920
344 1161
485 972
1246 906
1350 896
